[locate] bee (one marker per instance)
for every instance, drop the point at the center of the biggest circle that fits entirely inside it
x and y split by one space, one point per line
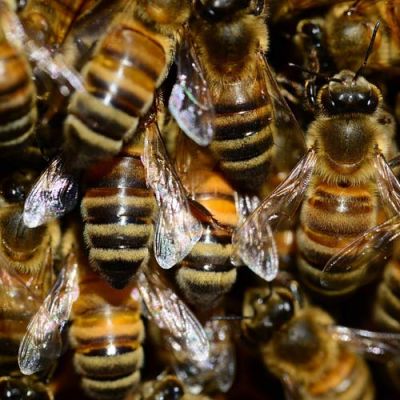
48 22
301 345
206 273
18 99
24 389
104 113
106 336
106 329
120 210
335 186
27 250
226 95
349 25
165 387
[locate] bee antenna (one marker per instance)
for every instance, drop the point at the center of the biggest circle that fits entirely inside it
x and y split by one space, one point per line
369 50
230 318
308 71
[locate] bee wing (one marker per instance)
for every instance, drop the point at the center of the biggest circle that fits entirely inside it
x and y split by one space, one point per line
388 184
15 296
288 136
190 100
53 65
253 241
54 194
42 343
364 250
177 231
185 332
381 346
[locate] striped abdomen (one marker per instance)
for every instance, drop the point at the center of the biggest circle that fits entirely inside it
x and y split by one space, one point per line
206 274
387 303
348 379
118 210
17 100
120 80
331 217
48 22
106 335
243 141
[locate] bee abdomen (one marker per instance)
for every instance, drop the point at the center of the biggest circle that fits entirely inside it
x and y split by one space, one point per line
332 217
243 140
118 215
17 99
108 352
387 307
349 379
206 274
119 88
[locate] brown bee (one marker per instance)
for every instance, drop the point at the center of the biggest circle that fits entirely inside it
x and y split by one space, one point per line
226 95
119 83
106 336
106 329
348 27
301 345
335 186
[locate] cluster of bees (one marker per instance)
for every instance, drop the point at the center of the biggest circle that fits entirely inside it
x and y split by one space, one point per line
192 187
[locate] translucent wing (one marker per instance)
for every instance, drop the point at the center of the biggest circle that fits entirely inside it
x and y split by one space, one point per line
388 184
372 245
288 136
17 302
170 314
253 241
42 343
218 371
377 345
53 65
54 194
190 101
245 205
177 231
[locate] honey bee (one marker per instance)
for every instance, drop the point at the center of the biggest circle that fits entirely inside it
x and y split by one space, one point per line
97 309
28 250
349 25
18 99
105 112
339 176
226 95
119 210
106 336
206 273
48 22
302 346
165 387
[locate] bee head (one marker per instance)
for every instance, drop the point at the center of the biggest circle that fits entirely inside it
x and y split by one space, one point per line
265 311
217 10
169 388
348 93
